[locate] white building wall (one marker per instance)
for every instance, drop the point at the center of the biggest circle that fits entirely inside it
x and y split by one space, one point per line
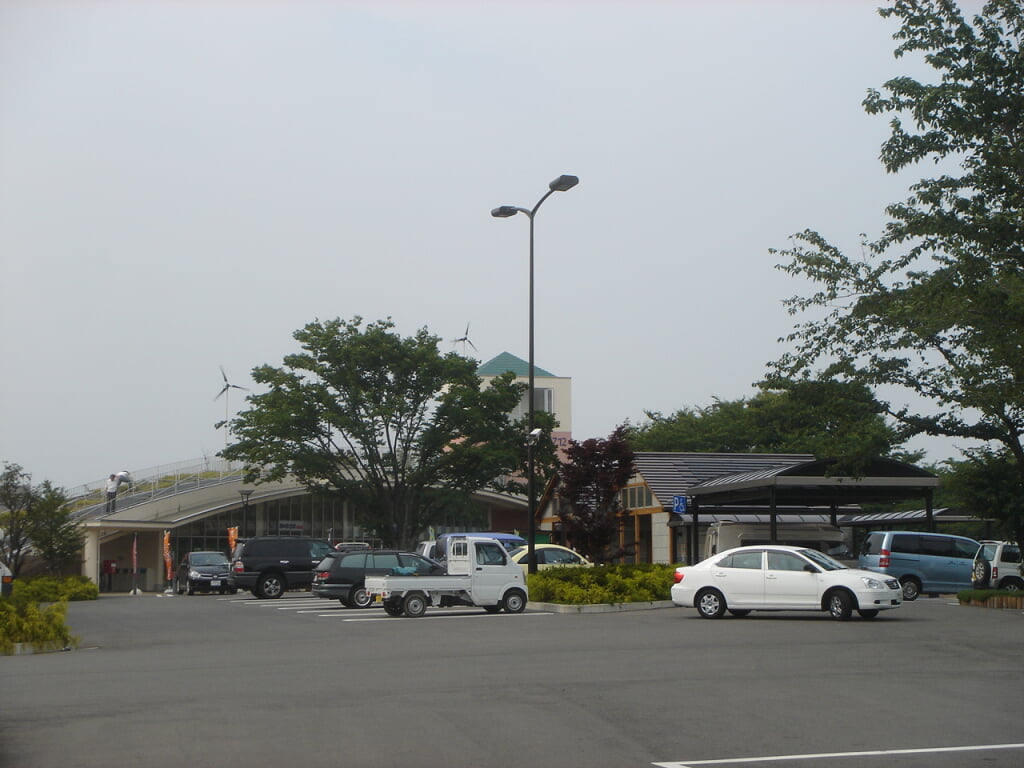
661 549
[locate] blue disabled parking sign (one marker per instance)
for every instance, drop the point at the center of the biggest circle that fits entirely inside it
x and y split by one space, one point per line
679 505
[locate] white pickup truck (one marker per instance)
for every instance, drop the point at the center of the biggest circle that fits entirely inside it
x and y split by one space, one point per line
480 572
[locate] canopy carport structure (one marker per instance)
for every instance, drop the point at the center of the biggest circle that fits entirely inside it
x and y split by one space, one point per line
811 484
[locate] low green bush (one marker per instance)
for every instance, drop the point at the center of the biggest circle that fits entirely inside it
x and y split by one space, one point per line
639 583
36 610
23 620
52 589
981 595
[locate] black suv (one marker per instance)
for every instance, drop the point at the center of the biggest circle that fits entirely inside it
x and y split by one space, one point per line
341 575
271 565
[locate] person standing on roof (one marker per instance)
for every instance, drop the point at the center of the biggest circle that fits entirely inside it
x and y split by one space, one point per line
112 483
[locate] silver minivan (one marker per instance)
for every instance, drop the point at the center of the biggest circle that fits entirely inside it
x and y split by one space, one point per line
922 561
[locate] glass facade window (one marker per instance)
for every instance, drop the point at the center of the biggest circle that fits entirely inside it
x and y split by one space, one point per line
298 515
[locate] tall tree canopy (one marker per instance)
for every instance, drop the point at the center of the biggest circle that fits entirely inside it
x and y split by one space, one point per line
16 496
57 538
589 481
392 425
935 306
830 419
35 520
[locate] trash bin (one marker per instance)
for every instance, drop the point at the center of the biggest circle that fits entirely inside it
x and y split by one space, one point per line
6 581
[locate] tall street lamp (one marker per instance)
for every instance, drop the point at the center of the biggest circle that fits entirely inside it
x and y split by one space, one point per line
561 184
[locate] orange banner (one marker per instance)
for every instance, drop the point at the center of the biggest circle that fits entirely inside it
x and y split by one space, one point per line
167 554
232 540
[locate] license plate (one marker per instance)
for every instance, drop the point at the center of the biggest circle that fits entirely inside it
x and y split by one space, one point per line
377 598
214 582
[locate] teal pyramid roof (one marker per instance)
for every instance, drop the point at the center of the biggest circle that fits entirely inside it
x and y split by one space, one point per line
509 362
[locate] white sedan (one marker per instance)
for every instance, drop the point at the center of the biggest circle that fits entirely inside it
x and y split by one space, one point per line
549 556
780 578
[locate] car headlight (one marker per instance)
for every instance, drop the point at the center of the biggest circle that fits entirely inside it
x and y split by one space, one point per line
871 583
194 574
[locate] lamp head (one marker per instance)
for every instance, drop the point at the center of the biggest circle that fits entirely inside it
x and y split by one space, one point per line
563 182
504 211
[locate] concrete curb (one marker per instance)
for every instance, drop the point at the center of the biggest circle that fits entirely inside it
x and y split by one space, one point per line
29 649
599 607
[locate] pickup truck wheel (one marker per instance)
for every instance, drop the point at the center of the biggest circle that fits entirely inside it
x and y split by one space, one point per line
269 586
414 605
393 607
515 601
359 597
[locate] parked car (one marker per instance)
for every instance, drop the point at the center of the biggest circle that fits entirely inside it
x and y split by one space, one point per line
922 561
549 556
204 572
781 578
998 566
341 575
271 565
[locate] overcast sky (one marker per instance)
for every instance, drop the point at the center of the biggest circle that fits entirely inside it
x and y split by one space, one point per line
185 184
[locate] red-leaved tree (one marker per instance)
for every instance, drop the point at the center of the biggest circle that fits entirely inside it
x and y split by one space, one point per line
589 484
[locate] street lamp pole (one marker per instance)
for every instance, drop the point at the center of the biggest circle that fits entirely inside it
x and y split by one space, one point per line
561 184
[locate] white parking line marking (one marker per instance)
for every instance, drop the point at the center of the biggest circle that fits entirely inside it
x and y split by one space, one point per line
460 615
870 753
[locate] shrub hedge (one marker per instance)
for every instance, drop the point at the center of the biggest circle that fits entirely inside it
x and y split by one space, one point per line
982 595
639 583
36 611
51 589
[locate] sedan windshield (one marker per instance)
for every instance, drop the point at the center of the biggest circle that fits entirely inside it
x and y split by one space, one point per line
820 558
209 559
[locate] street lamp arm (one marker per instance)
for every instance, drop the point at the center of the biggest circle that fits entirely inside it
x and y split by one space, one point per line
504 211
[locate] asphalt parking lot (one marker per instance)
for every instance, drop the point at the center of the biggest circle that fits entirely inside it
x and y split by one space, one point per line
234 681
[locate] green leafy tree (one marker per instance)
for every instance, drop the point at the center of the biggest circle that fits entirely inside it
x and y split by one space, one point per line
934 308
829 419
16 497
403 432
988 483
589 481
57 538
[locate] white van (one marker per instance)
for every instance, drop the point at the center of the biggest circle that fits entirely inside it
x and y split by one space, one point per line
727 534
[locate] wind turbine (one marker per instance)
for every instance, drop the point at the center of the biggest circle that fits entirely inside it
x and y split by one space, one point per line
464 340
225 392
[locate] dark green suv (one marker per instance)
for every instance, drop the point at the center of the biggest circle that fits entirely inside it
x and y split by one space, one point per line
271 565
